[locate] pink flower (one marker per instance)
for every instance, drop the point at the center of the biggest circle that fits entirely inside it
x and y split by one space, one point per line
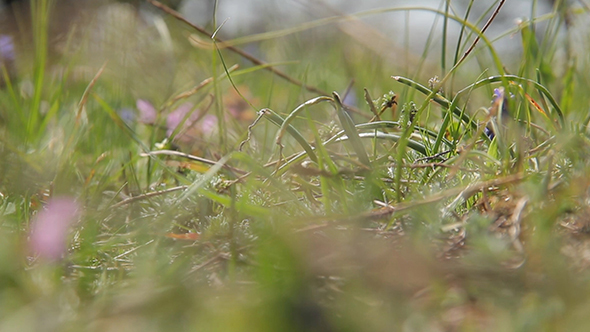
147 111
175 117
50 228
188 132
208 124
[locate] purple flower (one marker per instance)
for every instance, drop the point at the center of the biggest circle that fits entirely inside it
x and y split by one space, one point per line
499 98
50 228
7 52
350 98
127 115
498 93
147 111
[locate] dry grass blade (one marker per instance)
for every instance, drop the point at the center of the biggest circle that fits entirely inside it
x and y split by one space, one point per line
84 98
483 30
197 88
372 106
191 157
148 195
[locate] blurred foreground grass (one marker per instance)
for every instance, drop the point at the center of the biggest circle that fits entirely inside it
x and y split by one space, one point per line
464 209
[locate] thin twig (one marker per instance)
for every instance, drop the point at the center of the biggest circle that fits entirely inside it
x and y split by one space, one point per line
148 195
248 56
208 262
435 156
196 89
250 128
236 50
443 165
133 250
190 157
483 30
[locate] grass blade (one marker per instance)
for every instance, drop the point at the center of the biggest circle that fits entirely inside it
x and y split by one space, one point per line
351 132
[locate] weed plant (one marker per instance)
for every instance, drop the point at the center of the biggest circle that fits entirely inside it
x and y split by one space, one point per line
151 184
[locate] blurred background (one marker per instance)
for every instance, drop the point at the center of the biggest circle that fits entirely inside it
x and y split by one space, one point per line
246 17
134 37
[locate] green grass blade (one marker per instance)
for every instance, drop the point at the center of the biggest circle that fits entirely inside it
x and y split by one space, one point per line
278 121
350 130
287 122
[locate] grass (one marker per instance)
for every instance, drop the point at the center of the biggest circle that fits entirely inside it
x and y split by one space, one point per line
301 209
